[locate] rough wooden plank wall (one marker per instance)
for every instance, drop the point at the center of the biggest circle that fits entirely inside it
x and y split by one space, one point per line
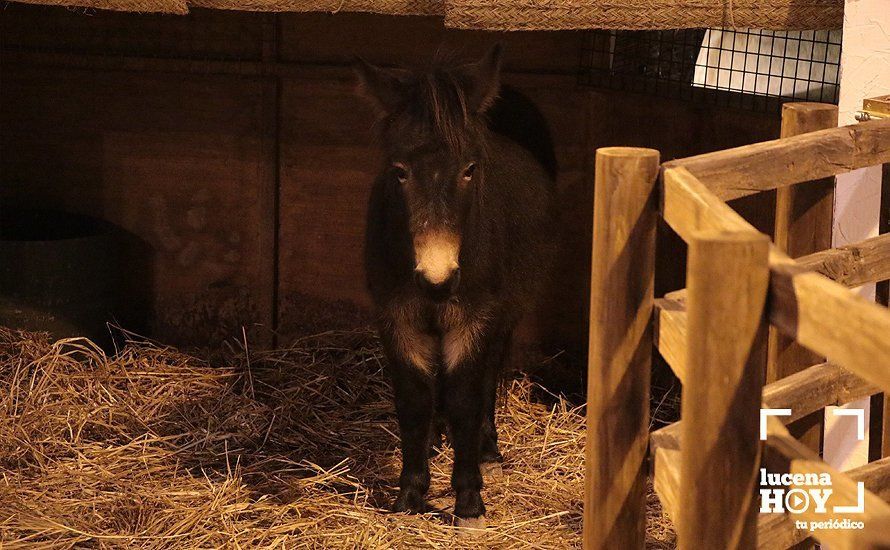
185 103
178 162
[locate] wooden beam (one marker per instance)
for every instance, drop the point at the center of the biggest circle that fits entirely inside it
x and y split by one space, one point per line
804 212
667 437
815 388
670 334
734 173
830 320
621 304
688 206
727 281
803 224
876 476
855 264
804 392
667 481
880 417
778 531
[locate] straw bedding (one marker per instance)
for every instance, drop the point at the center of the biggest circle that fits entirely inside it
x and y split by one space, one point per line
152 448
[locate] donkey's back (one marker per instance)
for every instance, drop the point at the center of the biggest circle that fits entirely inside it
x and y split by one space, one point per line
524 191
516 117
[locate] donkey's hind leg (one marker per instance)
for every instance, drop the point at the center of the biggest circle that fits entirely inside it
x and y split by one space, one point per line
491 456
490 453
437 433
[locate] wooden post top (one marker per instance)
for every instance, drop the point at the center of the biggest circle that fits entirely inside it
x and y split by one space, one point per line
808 106
624 152
803 117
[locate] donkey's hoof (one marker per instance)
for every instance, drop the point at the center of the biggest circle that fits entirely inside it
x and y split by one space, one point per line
411 502
491 470
470 523
491 455
468 504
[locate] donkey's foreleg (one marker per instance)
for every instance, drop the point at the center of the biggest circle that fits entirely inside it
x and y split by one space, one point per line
464 403
411 355
414 394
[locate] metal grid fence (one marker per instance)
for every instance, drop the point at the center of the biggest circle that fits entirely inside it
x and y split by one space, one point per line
749 69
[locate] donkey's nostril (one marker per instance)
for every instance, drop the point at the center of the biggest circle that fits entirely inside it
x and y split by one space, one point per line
454 280
419 279
437 291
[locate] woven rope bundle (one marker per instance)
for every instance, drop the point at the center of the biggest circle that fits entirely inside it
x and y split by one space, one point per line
143 6
388 7
511 15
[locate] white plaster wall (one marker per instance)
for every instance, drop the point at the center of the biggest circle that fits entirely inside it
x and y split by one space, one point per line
865 72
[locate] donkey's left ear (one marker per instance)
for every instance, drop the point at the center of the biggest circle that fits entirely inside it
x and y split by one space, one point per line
382 87
483 79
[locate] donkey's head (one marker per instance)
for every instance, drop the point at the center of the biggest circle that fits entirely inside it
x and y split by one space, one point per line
433 130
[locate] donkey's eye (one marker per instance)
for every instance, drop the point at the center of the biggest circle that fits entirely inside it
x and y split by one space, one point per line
469 171
400 171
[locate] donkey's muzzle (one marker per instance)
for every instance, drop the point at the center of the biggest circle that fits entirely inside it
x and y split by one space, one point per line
438 292
436 268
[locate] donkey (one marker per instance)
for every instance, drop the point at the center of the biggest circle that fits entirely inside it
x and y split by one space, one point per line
458 239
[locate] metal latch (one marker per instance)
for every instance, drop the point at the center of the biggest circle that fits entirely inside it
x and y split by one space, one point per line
874 108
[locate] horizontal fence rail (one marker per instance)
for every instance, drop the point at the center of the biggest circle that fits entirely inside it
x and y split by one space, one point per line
853 265
750 169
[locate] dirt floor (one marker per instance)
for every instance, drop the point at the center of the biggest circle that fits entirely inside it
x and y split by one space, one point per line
296 448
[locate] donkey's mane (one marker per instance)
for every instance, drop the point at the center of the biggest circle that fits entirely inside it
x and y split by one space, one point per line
439 104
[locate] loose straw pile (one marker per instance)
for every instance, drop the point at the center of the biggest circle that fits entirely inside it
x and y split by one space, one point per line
292 448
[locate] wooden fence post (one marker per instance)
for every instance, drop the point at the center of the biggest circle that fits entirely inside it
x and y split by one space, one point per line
804 215
879 441
882 291
727 279
620 353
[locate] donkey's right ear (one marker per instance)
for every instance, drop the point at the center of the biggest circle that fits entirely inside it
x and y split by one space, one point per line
383 87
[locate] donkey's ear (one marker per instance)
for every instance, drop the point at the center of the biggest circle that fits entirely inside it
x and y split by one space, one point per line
381 86
483 79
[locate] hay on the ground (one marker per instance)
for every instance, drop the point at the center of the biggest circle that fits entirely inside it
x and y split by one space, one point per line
286 449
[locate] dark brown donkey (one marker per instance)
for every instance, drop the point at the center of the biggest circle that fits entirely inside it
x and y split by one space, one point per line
459 235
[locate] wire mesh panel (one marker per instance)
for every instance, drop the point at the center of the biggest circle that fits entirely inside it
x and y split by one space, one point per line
751 69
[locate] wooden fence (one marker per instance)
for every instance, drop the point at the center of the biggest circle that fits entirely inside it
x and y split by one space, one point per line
753 329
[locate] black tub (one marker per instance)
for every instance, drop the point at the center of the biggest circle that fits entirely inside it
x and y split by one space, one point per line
71 275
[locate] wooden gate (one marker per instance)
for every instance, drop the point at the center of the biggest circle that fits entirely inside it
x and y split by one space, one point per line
749 313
